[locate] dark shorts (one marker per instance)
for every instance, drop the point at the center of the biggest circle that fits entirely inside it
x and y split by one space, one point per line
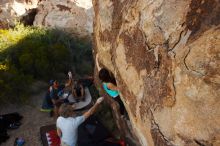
86 82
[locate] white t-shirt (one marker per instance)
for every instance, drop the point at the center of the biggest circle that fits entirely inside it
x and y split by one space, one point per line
69 128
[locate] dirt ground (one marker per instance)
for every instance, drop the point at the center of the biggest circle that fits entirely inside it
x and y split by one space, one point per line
32 120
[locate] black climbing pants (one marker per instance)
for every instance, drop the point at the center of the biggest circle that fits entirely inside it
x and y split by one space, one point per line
121 104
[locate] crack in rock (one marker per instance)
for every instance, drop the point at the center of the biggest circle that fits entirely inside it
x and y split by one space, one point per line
187 67
156 128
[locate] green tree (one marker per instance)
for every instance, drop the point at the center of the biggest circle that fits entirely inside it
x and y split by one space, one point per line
31 53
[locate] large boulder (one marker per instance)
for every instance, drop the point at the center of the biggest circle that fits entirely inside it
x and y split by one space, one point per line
165 56
75 16
12 10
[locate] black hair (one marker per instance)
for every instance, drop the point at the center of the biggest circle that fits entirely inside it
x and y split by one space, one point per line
106 76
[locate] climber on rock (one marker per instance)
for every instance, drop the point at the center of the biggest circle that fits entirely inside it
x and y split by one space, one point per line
109 85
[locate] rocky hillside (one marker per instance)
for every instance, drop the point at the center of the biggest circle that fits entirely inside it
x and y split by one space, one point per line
11 10
165 56
74 16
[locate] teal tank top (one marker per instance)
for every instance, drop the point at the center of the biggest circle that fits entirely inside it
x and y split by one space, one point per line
112 93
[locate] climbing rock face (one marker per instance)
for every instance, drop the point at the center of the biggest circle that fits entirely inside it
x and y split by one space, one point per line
165 56
11 10
73 15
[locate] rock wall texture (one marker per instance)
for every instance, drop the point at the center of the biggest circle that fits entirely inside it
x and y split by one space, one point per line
165 56
11 10
76 16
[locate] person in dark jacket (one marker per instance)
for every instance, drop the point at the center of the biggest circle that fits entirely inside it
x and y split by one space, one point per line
52 99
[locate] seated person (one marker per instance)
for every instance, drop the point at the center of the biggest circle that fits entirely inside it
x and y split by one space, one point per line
78 91
47 105
52 99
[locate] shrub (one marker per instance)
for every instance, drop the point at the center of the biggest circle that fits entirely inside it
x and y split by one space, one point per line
29 53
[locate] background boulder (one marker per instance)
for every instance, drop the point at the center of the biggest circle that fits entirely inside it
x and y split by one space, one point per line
75 16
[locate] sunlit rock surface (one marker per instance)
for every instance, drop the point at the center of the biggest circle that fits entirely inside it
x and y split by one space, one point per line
165 56
75 16
10 10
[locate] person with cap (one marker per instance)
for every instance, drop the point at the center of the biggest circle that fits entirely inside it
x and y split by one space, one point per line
67 124
51 100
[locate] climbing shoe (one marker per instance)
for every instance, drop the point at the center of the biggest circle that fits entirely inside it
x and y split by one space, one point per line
45 110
